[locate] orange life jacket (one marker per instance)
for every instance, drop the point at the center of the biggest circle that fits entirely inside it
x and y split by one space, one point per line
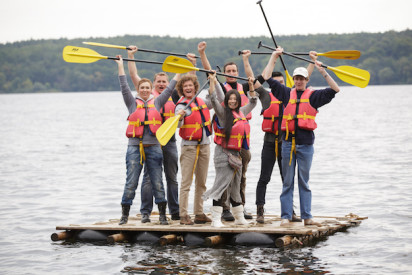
145 114
271 116
192 128
300 110
168 110
243 96
240 132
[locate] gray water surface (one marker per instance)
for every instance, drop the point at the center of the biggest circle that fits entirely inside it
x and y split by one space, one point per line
62 162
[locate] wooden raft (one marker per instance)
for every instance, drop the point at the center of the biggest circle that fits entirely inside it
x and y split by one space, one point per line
293 234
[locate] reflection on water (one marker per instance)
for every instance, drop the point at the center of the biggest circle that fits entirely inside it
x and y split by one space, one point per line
62 162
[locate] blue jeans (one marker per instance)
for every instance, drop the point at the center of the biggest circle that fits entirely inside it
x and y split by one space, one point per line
268 160
170 159
303 157
153 163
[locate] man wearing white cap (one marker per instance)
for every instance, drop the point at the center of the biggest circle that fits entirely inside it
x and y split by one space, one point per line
298 123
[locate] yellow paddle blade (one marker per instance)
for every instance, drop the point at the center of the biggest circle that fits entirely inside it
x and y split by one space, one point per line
105 45
74 54
166 131
174 64
345 54
355 76
289 80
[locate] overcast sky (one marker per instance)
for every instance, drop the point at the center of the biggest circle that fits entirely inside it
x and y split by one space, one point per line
50 19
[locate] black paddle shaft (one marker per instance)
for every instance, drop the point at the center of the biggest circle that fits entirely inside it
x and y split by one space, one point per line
160 52
270 30
135 60
290 54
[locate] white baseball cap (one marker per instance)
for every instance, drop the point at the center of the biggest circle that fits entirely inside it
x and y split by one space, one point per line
301 71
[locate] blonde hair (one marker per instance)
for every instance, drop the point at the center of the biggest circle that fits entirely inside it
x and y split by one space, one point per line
160 74
185 78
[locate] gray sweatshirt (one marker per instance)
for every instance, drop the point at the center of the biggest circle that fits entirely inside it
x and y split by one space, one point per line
130 102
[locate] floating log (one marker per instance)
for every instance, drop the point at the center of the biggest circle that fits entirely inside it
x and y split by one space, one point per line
294 234
61 236
168 239
214 240
119 237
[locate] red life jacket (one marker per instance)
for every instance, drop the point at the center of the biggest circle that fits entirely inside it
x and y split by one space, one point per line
300 110
168 110
192 128
144 115
271 116
240 131
305 116
243 97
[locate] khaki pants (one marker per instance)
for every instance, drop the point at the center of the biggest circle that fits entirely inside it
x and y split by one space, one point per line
246 156
187 162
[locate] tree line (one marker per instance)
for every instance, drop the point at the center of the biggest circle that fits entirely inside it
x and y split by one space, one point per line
37 65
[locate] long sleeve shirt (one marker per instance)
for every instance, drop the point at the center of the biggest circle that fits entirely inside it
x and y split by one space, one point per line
317 99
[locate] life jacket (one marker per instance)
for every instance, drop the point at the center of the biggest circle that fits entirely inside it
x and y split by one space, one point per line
272 120
271 116
145 114
155 93
243 96
192 128
240 132
298 113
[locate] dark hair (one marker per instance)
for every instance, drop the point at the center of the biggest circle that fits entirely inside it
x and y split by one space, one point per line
229 63
276 74
228 112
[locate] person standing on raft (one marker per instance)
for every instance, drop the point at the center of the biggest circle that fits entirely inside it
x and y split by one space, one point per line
298 124
232 132
143 148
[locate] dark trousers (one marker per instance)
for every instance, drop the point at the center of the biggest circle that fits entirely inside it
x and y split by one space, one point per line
268 158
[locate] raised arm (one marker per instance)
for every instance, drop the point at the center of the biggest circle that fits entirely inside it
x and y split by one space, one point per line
248 69
267 72
192 59
201 48
314 56
328 78
132 66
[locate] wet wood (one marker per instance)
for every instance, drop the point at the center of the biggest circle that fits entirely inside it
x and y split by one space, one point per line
283 241
293 233
167 239
214 240
61 236
119 237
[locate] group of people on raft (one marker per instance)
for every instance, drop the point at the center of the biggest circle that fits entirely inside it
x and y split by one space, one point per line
288 122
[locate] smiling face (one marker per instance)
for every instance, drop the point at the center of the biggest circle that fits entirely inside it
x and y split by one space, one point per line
145 89
300 82
232 102
189 90
231 69
160 83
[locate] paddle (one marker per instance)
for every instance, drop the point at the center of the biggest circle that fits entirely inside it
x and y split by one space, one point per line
289 79
343 54
74 54
168 128
127 48
351 75
174 64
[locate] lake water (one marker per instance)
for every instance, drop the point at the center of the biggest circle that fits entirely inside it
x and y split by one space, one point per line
62 162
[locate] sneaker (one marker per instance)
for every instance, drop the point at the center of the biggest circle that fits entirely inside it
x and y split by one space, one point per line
312 222
175 217
145 218
227 216
248 216
284 222
185 220
202 219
